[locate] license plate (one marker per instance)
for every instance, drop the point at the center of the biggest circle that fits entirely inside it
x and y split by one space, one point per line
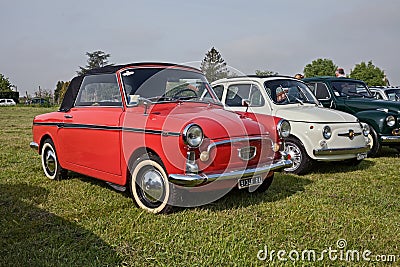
247 182
361 156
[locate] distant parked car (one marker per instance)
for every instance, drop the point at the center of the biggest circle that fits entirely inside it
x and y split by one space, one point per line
7 102
390 93
317 133
38 101
354 97
145 127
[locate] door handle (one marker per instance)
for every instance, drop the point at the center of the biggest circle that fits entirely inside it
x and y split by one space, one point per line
68 116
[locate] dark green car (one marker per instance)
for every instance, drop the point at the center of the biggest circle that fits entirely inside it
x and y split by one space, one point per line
354 97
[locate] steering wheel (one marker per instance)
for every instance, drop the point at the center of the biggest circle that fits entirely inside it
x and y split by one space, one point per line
185 90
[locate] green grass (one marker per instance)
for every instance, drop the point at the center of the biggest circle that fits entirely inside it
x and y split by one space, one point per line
82 222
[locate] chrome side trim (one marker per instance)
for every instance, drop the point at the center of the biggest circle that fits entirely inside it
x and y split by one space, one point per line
106 128
390 139
193 180
340 151
34 146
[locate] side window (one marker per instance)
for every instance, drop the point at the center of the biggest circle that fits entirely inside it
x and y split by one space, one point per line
380 97
239 92
99 90
312 87
321 92
219 90
256 98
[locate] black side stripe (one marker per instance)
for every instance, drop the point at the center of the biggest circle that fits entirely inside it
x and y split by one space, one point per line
107 128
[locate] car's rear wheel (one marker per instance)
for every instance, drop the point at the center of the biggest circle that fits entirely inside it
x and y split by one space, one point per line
149 185
51 167
374 144
301 161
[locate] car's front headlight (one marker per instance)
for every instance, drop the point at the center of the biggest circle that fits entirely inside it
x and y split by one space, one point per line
365 129
327 132
283 128
390 121
193 135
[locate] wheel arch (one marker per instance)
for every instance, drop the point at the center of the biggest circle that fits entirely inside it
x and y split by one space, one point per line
135 155
42 139
373 118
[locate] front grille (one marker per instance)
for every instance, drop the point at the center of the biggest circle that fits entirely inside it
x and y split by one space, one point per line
247 153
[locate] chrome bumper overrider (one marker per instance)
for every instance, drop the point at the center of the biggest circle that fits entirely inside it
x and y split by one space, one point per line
192 180
34 146
390 139
340 151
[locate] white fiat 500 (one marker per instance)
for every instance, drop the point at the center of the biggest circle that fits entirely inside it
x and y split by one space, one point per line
317 134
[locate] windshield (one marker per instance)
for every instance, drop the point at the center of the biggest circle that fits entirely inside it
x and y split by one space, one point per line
165 85
393 94
350 89
283 92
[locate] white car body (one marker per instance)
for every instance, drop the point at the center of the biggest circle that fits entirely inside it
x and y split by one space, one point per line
307 120
7 102
386 93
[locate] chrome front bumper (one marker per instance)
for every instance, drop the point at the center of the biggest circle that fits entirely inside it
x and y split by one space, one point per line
193 180
340 151
390 139
34 146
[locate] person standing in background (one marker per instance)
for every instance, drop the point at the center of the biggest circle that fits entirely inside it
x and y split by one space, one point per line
340 72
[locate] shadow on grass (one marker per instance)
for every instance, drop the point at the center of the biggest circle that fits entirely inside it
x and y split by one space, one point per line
389 153
283 186
340 167
31 236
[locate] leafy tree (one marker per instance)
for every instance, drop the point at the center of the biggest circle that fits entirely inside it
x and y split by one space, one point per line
320 67
370 74
96 59
213 66
60 90
265 72
5 85
44 93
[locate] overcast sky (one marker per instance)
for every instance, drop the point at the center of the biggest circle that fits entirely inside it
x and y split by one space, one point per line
45 41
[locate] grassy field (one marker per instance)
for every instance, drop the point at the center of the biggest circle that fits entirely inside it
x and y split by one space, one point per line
83 222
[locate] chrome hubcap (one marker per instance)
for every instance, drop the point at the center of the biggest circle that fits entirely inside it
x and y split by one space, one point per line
152 185
50 161
295 156
371 141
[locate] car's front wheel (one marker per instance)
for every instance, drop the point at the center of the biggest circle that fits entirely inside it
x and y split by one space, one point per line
301 161
374 144
265 184
51 167
149 185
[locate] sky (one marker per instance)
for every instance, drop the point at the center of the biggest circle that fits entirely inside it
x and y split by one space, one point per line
46 41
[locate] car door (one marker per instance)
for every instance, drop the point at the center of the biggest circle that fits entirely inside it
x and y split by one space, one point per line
322 93
236 93
91 134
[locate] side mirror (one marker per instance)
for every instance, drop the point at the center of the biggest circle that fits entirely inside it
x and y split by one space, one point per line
246 103
144 102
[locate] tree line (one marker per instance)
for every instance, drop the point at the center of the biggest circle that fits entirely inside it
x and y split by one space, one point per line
214 67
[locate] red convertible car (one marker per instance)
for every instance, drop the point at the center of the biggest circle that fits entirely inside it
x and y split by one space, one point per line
148 127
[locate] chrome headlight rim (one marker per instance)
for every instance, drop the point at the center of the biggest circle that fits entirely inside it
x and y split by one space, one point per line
390 120
283 127
193 135
366 130
327 132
